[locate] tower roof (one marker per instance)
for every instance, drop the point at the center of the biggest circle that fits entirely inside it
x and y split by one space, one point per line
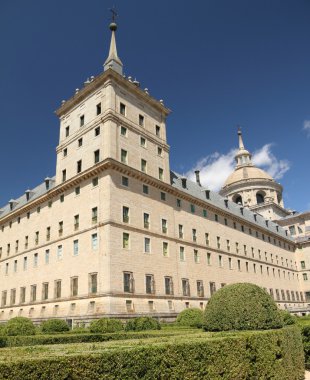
113 61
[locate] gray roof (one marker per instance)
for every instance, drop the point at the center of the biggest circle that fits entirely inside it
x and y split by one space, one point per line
193 189
22 200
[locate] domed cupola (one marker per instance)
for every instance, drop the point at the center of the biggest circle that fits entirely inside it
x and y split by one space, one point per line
252 187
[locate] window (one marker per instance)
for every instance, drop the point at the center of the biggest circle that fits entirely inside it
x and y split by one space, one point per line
192 208
15 266
59 252
157 130
237 247
82 120
218 242
196 256
60 228
45 291
303 265
147 245
64 175
220 261
16 246
125 214
26 242
47 256
96 156
124 156
80 142
74 286
57 289
128 282
212 288
75 247
22 295
125 181
149 284
161 174
94 241
179 203
208 258
200 289
305 276
141 120
207 239
145 189
165 249
143 165
67 131
123 131
125 240
164 226
33 293
185 287
13 297
98 109
204 213
122 109
182 254
94 215
225 221
162 196
159 151
79 166
97 131
35 260
229 263
48 233
228 245
239 265
76 222
168 286
65 152
146 220
93 285
216 217
142 142
3 298
25 263
95 181
7 268
36 239
181 234
194 234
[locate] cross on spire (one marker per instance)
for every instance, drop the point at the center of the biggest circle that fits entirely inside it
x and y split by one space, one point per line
114 13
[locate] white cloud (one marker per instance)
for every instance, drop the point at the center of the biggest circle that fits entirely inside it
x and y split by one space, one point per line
216 167
307 127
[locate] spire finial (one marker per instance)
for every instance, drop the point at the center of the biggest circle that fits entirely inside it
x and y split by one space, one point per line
113 62
243 157
241 145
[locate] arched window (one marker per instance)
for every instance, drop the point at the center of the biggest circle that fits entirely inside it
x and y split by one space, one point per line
260 198
237 199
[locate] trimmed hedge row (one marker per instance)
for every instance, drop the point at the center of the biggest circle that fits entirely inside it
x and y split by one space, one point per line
305 330
34 340
273 354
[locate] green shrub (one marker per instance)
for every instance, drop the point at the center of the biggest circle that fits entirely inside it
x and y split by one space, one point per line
288 318
105 325
192 317
20 326
142 324
273 354
2 329
241 307
54 326
79 330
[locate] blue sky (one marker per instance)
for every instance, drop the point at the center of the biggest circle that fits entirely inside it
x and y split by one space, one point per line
216 64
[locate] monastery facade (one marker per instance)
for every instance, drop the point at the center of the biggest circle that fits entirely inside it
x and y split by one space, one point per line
116 233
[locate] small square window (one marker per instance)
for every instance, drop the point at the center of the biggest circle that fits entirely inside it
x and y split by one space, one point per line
65 152
142 142
123 131
79 166
143 165
204 213
179 203
141 120
77 190
95 181
124 156
192 208
62 198
159 151
96 156
125 181
97 131
145 189
122 109
162 196
98 109
82 120
67 131
157 130
161 174
80 142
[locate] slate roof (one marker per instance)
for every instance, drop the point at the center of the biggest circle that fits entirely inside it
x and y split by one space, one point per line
193 189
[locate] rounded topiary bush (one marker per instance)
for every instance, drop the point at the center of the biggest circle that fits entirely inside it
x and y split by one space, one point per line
192 317
288 318
241 307
2 329
54 326
20 326
142 324
105 325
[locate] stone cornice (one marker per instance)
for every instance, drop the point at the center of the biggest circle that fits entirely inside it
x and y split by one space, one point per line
99 81
248 184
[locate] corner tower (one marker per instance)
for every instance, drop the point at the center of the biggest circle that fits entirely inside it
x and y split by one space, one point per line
253 187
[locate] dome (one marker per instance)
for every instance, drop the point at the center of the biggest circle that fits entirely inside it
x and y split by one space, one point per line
246 173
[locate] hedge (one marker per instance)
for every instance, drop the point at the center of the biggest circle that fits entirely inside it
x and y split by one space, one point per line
306 340
192 317
241 306
273 354
19 326
142 324
54 326
106 325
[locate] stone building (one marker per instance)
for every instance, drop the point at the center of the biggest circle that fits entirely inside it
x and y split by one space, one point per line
115 232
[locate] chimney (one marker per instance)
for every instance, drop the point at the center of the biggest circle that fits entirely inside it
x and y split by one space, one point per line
226 203
47 183
241 210
183 179
27 192
207 194
197 172
12 203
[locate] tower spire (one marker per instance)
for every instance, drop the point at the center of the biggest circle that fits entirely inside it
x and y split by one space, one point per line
113 62
241 145
243 157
